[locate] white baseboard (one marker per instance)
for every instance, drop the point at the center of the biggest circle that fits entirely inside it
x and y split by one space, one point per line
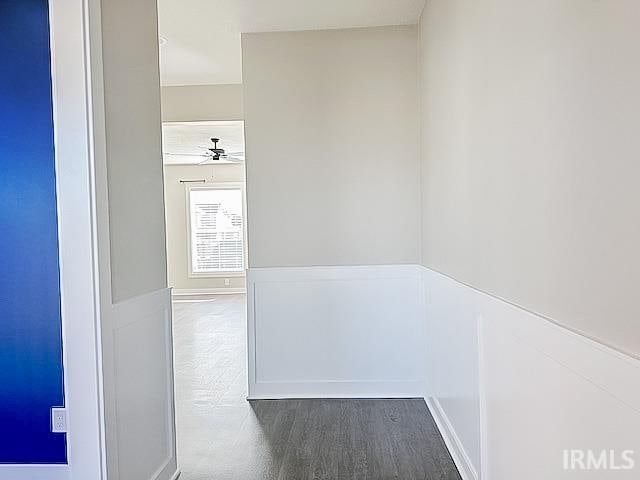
335 332
299 390
206 292
35 472
451 440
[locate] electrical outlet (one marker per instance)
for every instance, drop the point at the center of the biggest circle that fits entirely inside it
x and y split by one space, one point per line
59 420
227 282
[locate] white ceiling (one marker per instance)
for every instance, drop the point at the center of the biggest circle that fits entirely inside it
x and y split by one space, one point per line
203 36
186 143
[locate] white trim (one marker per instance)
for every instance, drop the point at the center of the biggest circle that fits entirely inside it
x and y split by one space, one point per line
330 389
330 272
188 187
621 352
482 401
35 472
251 334
102 237
195 292
72 102
228 274
453 443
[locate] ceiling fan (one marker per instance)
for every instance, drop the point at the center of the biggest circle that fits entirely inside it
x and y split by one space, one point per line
213 155
216 154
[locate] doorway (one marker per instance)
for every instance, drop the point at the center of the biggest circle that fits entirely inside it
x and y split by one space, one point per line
205 205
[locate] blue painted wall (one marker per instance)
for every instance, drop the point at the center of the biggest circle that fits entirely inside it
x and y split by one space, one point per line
31 380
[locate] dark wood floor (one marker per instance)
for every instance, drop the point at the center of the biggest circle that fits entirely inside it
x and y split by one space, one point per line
222 436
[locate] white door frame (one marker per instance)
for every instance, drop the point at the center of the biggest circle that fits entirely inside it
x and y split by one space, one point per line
73 130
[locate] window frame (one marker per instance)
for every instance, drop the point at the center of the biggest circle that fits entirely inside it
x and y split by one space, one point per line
215 186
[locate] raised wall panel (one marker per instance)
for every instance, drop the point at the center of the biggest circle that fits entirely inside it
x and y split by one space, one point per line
143 387
512 391
335 332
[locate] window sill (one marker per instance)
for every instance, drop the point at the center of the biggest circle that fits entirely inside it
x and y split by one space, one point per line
217 275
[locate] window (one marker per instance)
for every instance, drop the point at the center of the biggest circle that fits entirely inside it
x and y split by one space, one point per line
216 230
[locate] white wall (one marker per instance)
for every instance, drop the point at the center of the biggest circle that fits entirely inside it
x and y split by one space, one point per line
331 130
332 188
133 143
177 225
190 103
135 303
530 148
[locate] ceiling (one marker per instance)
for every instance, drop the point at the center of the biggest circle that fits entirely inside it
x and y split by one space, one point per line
203 36
185 143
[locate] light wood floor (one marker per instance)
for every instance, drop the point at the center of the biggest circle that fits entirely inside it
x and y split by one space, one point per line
222 436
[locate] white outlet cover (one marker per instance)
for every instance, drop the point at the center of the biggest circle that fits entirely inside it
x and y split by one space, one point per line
59 420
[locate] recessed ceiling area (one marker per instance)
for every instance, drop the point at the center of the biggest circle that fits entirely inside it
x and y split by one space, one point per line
201 38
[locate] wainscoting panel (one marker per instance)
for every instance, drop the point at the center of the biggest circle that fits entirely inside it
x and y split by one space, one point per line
335 332
452 367
512 391
144 405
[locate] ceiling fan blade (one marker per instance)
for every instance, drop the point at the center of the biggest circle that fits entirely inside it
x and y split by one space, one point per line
184 154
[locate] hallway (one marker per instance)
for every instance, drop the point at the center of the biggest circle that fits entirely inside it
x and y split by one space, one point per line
222 436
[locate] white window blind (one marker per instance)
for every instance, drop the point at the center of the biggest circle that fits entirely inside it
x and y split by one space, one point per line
217 239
